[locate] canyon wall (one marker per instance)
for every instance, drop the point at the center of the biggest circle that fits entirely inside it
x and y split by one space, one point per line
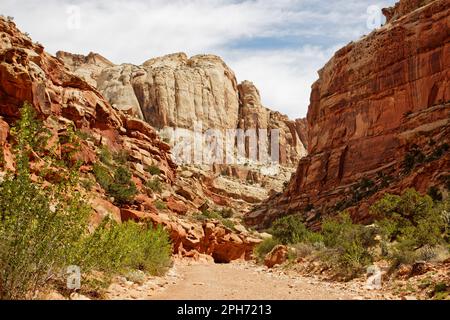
176 91
378 120
63 100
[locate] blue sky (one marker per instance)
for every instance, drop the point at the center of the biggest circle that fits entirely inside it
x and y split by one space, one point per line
279 45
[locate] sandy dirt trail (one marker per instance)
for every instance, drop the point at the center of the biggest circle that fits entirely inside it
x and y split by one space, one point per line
246 281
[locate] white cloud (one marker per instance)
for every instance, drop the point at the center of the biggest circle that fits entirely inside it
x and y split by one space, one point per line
283 77
136 30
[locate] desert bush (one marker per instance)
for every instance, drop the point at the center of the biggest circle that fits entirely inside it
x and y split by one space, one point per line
44 227
120 186
411 218
121 157
350 242
228 223
290 230
102 176
39 226
411 222
441 291
136 276
217 215
87 184
153 170
303 250
211 214
262 249
154 185
160 205
83 135
105 155
226 213
123 188
412 158
435 193
119 247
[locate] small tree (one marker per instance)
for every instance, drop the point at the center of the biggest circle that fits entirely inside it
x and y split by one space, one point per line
290 230
39 225
123 189
410 221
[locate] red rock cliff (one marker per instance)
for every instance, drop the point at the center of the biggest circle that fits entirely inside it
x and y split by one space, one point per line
62 99
378 120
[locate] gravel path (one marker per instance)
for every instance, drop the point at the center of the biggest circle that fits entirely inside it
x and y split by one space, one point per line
246 281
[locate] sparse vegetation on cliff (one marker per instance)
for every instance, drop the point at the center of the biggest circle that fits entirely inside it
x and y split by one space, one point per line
154 185
223 216
44 223
119 185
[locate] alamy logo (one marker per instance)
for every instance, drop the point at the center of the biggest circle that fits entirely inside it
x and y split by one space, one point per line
374 278
228 146
374 17
73 17
73 277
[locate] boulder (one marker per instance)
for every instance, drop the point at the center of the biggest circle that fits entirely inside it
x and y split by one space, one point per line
176 206
277 256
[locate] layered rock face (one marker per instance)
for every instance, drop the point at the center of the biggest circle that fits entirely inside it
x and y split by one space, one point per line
86 67
176 91
378 120
62 99
172 90
253 115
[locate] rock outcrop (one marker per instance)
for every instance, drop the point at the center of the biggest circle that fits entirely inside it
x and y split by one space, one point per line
402 8
379 120
176 91
277 256
62 99
253 115
191 239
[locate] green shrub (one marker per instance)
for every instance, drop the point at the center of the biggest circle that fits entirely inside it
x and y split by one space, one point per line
262 249
39 227
154 185
103 176
303 250
160 205
438 152
83 135
413 157
105 155
411 218
153 170
121 157
118 247
228 223
123 188
87 184
290 229
412 221
226 213
435 194
212 215
44 227
350 242
120 186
